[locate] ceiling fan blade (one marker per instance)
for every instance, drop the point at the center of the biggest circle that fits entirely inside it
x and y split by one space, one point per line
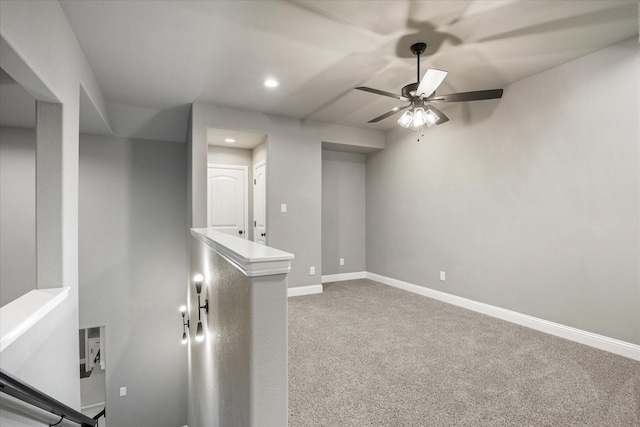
381 92
387 114
442 116
468 96
430 82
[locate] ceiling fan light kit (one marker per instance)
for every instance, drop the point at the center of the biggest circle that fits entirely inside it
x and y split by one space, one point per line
405 119
416 118
421 94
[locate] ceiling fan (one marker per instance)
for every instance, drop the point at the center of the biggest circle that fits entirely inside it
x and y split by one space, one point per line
422 94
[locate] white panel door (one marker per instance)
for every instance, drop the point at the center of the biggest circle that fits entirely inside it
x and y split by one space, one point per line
260 203
227 199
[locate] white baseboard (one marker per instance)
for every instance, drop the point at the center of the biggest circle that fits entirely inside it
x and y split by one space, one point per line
601 342
95 405
304 290
344 276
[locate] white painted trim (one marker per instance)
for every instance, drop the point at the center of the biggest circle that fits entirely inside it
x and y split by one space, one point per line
95 405
344 276
18 316
601 342
252 259
253 175
103 350
304 290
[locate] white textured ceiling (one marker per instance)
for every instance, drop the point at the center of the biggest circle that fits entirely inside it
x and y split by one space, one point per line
163 55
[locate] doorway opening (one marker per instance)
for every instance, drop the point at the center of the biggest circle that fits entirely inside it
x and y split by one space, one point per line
343 210
93 388
236 183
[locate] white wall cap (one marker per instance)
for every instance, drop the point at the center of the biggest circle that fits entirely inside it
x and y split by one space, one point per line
18 316
253 259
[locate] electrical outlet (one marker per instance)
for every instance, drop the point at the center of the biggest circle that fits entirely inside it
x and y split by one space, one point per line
123 391
443 277
283 208
312 270
341 261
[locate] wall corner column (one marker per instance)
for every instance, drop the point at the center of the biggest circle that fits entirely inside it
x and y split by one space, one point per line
49 195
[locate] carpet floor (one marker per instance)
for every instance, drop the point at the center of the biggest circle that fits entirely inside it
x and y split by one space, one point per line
366 354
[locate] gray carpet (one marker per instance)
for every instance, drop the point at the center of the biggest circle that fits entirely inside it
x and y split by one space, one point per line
365 354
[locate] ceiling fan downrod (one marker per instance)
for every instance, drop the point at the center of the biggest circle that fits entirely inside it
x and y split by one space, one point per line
418 49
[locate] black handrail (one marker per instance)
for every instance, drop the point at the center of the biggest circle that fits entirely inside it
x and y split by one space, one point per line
102 413
23 391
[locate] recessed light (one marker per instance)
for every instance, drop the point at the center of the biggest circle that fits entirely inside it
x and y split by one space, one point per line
271 83
230 140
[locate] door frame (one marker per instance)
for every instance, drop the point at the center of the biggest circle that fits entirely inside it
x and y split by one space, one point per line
245 171
257 165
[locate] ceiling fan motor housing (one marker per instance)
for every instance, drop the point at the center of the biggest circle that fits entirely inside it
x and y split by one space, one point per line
409 91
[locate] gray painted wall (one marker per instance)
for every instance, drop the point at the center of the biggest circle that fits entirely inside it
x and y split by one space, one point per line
259 154
41 53
294 177
229 156
219 377
132 272
17 212
528 203
238 374
92 388
343 212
